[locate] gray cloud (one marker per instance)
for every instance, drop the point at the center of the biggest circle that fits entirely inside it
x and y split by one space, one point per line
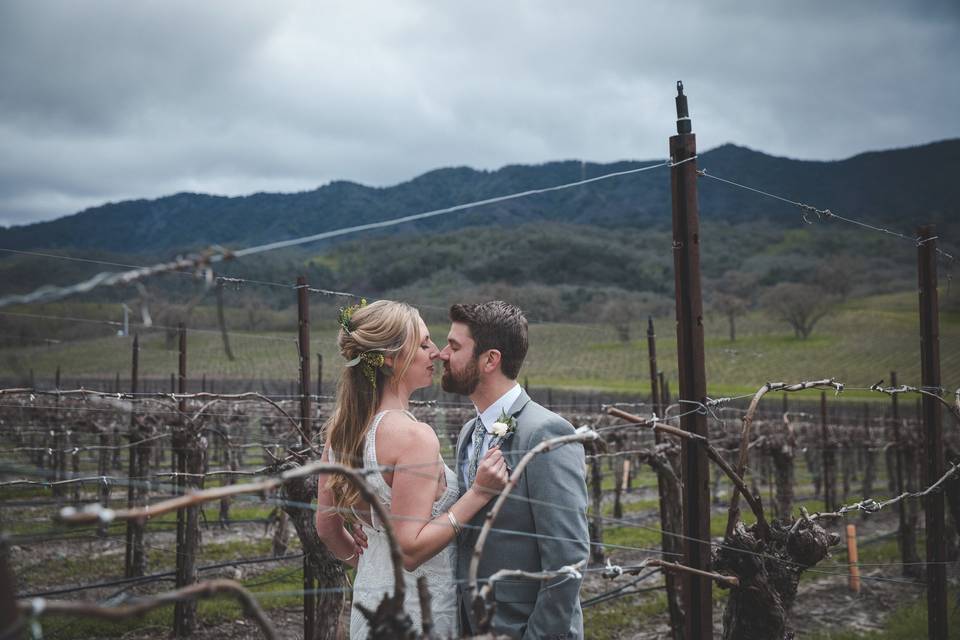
111 100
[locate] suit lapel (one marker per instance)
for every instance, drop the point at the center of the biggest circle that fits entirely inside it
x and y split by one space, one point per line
514 412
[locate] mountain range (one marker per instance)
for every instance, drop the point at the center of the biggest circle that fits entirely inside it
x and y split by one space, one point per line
901 187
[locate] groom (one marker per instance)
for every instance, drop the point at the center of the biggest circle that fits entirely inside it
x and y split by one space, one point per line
543 524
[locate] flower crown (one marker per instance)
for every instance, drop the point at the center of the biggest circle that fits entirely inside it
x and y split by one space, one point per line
369 361
347 313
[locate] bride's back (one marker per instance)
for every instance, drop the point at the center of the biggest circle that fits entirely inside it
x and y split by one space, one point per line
399 433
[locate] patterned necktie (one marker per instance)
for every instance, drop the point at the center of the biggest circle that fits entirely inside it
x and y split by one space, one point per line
478 433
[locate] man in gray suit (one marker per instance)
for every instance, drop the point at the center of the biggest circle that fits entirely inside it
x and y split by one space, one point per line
543 524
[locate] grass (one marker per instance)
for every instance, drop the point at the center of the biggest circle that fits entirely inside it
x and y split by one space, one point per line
274 589
859 343
907 622
70 569
607 620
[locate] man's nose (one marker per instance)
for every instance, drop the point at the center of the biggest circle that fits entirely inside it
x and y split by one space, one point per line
444 354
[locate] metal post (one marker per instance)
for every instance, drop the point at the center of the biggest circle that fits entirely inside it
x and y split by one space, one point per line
59 457
132 566
319 376
185 612
306 425
303 316
669 544
698 603
826 466
934 462
654 387
9 613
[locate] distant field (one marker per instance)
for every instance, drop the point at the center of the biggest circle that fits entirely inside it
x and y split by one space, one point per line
859 344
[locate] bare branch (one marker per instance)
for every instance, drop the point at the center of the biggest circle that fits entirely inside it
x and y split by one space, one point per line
569 571
96 514
733 513
39 606
954 410
869 505
165 397
712 453
615 571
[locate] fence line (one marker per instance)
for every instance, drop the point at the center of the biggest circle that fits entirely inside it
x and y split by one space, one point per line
806 209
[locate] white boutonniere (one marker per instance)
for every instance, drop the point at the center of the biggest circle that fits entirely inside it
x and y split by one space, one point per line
502 429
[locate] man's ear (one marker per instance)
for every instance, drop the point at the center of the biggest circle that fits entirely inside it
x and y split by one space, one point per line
490 361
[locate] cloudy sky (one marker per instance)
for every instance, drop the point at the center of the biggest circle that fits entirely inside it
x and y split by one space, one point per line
107 100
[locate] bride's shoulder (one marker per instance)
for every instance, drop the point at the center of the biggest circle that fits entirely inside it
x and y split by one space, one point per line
400 424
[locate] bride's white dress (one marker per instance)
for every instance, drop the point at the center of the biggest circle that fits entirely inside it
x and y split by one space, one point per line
374 575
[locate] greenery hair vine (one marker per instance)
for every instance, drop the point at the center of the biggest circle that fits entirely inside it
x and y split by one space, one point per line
369 362
347 313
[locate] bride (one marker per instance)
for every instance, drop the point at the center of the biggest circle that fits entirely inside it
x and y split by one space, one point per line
390 355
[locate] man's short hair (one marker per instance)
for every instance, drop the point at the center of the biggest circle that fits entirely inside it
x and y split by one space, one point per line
496 325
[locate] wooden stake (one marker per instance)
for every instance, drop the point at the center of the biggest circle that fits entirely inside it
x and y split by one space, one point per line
852 558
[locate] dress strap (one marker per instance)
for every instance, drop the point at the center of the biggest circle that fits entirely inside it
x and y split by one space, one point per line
380 487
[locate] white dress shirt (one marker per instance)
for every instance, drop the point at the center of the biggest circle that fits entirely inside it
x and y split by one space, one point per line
493 412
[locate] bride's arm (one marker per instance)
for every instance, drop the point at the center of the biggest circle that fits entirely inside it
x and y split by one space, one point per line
330 522
415 480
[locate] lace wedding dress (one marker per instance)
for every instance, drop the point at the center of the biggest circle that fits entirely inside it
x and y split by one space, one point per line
375 571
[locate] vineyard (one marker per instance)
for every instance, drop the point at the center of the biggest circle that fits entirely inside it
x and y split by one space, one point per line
164 479
73 449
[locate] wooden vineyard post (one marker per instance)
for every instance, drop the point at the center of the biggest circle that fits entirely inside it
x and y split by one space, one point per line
103 468
697 589
59 457
596 522
854 581
870 456
625 478
906 531
827 476
134 559
189 461
671 513
116 461
75 466
9 614
310 595
319 376
306 426
934 459
619 482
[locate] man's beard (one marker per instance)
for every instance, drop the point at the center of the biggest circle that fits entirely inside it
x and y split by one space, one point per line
463 383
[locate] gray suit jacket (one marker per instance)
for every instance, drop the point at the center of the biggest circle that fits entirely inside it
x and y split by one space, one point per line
549 501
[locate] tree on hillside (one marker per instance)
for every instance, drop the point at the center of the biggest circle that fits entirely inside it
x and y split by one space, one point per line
623 310
799 305
620 314
734 292
835 275
732 307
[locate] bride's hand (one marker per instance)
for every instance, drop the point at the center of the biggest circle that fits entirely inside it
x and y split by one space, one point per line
492 472
359 537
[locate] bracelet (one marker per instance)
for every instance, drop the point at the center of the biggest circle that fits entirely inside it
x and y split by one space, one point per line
454 523
348 558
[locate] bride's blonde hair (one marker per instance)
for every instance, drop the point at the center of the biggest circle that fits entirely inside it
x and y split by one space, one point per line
383 327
